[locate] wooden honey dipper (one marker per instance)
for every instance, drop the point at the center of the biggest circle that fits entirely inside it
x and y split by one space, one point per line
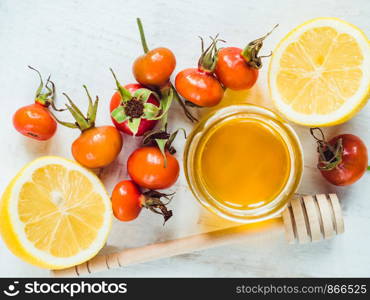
306 219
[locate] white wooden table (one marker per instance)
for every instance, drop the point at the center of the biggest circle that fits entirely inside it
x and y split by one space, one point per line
77 41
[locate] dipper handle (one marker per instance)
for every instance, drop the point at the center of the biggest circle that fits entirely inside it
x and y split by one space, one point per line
306 219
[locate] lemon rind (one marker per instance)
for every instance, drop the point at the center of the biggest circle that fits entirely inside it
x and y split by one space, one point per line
14 236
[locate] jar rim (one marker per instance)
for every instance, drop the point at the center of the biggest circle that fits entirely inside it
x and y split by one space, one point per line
289 136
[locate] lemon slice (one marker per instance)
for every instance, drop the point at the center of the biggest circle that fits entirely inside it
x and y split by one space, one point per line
319 74
55 213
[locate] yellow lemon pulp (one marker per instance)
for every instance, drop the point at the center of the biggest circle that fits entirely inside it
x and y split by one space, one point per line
55 213
244 163
319 74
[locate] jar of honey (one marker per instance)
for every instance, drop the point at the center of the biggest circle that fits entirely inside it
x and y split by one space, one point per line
243 162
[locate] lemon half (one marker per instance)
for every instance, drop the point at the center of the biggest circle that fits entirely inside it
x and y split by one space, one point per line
55 214
319 74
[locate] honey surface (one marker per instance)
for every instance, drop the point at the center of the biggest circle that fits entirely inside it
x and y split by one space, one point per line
244 163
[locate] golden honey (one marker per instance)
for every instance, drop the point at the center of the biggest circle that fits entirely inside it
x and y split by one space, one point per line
238 166
243 162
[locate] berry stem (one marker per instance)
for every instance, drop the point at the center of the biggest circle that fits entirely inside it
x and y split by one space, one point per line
187 113
142 35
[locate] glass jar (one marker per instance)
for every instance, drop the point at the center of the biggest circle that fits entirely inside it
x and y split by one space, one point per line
194 161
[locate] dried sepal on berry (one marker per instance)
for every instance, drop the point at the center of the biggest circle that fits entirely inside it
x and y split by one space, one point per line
163 140
251 51
45 98
82 122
